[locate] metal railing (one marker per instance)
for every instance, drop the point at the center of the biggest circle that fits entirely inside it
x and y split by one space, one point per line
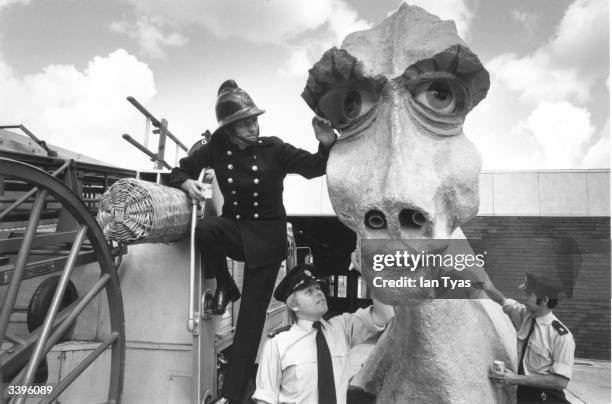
162 130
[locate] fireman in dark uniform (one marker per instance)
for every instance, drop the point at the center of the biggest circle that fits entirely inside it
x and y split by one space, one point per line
252 228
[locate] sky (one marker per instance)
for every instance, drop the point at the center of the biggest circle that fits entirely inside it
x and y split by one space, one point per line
67 66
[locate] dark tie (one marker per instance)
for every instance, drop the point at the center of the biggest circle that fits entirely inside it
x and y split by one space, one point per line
327 389
521 371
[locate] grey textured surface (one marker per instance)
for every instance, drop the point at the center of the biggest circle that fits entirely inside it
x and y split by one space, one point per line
399 153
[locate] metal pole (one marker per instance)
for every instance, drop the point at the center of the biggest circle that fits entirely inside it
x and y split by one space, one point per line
22 257
193 319
145 150
69 320
80 368
67 323
139 146
30 193
41 143
144 111
146 134
155 121
161 148
175 139
195 288
55 304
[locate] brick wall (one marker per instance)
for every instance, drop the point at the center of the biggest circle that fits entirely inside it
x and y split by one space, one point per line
518 244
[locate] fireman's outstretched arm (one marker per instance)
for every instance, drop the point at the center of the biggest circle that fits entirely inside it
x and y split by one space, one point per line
310 165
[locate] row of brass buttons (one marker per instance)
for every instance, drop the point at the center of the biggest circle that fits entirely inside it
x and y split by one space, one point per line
230 180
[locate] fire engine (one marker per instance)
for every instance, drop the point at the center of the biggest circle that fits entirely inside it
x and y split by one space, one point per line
88 319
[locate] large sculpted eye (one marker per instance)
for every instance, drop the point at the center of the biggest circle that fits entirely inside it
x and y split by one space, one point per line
342 106
441 96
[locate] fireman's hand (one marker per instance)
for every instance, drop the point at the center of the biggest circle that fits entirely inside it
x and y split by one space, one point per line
324 131
197 190
506 376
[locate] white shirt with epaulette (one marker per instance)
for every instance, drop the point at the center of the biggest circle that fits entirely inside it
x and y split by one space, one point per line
551 346
288 366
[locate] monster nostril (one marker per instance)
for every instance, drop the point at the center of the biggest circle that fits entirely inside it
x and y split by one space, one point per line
419 219
375 219
412 218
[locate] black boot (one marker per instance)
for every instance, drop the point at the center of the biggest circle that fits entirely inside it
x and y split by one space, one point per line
223 297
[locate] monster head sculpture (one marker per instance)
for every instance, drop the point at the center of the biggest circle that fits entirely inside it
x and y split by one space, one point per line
398 95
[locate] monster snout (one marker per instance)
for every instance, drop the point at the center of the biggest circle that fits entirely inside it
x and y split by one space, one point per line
408 220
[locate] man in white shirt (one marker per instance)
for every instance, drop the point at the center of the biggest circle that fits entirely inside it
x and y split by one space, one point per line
309 363
545 346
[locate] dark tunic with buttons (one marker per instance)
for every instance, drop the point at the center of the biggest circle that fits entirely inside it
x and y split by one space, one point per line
251 181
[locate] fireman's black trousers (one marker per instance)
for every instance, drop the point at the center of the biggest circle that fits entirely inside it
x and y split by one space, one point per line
219 238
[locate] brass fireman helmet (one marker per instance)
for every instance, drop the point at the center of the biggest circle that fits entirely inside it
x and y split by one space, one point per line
234 104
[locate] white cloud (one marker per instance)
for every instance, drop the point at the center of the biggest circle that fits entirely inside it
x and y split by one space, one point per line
583 32
552 136
508 150
6 3
306 29
535 78
566 66
545 97
297 63
456 10
598 155
150 34
268 21
561 129
307 48
84 111
343 20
